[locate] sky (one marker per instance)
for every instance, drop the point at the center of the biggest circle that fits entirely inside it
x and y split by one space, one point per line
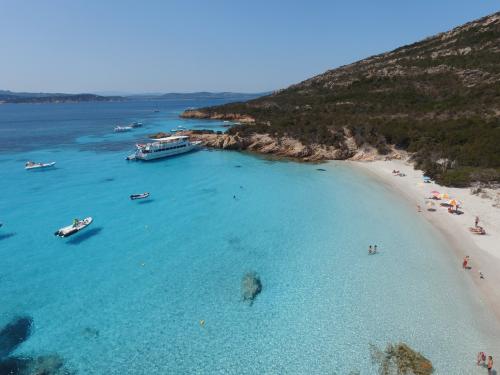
213 45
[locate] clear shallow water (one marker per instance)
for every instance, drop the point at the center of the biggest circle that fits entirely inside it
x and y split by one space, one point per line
146 272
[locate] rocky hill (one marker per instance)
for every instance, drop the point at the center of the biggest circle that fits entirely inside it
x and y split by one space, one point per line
438 99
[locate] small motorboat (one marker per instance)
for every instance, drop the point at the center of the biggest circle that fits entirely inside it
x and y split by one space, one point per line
136 124
33 165
139 196
122 129
77 226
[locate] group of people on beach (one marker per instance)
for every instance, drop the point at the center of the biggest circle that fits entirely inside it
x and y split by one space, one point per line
481 361
372 250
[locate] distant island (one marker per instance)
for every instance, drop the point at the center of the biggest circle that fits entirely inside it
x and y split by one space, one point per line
29 97
199 95
438 99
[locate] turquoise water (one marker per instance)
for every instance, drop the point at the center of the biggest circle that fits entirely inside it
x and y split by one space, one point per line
145 273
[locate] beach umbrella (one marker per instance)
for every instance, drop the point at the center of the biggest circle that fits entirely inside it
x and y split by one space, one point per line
454 202
445 196
434 192
430 204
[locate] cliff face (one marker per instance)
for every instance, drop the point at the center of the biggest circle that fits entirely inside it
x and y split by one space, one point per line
438 98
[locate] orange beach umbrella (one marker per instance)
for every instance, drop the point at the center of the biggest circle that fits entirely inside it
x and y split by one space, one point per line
454 203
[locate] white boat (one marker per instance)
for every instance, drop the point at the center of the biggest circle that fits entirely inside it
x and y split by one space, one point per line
33 165
136 124
77 226
122 129
139 196
163 147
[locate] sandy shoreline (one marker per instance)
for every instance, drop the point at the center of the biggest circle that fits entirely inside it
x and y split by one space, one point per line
484 250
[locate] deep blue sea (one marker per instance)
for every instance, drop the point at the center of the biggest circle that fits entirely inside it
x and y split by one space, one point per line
127 294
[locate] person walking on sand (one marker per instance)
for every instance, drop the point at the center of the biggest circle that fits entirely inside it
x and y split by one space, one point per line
490 365
465 262
476 222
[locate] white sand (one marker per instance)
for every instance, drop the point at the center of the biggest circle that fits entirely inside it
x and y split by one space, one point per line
484 250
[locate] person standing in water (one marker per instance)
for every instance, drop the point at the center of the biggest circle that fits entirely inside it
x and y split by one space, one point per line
375 249
370 249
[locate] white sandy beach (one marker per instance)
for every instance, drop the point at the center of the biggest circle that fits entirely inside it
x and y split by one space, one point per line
484 250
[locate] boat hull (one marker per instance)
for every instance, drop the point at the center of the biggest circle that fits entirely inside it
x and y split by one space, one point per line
166 153
70 229
40 166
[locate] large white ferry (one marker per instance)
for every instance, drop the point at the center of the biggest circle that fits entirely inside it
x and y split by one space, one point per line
163 147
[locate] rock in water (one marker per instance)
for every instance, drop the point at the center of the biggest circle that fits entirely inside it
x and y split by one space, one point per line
13 334
47 365
250 286
13 366
400 359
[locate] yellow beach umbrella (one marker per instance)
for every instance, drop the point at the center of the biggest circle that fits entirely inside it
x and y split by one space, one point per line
445 196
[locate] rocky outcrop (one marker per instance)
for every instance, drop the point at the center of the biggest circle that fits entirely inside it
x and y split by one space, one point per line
251 286
193 113
274 145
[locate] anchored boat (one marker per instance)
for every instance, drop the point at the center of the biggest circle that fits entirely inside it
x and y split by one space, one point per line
122 129
139 196
33 165
163 147
77 226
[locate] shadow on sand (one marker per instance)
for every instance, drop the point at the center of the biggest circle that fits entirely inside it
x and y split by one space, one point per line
84 236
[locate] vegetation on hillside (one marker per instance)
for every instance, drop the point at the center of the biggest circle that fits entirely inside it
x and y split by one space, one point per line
438 98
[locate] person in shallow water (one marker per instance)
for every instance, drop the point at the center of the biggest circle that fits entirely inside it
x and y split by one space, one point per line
370 251
490 365
481 358
375 249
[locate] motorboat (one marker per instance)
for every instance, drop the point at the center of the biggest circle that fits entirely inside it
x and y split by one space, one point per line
77 226
122 129
163 147
33 165
139 196
136 124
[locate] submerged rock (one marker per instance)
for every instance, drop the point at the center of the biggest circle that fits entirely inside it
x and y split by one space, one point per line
90 333
251 286
13 366
13 334
400 359
46 365
42 365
